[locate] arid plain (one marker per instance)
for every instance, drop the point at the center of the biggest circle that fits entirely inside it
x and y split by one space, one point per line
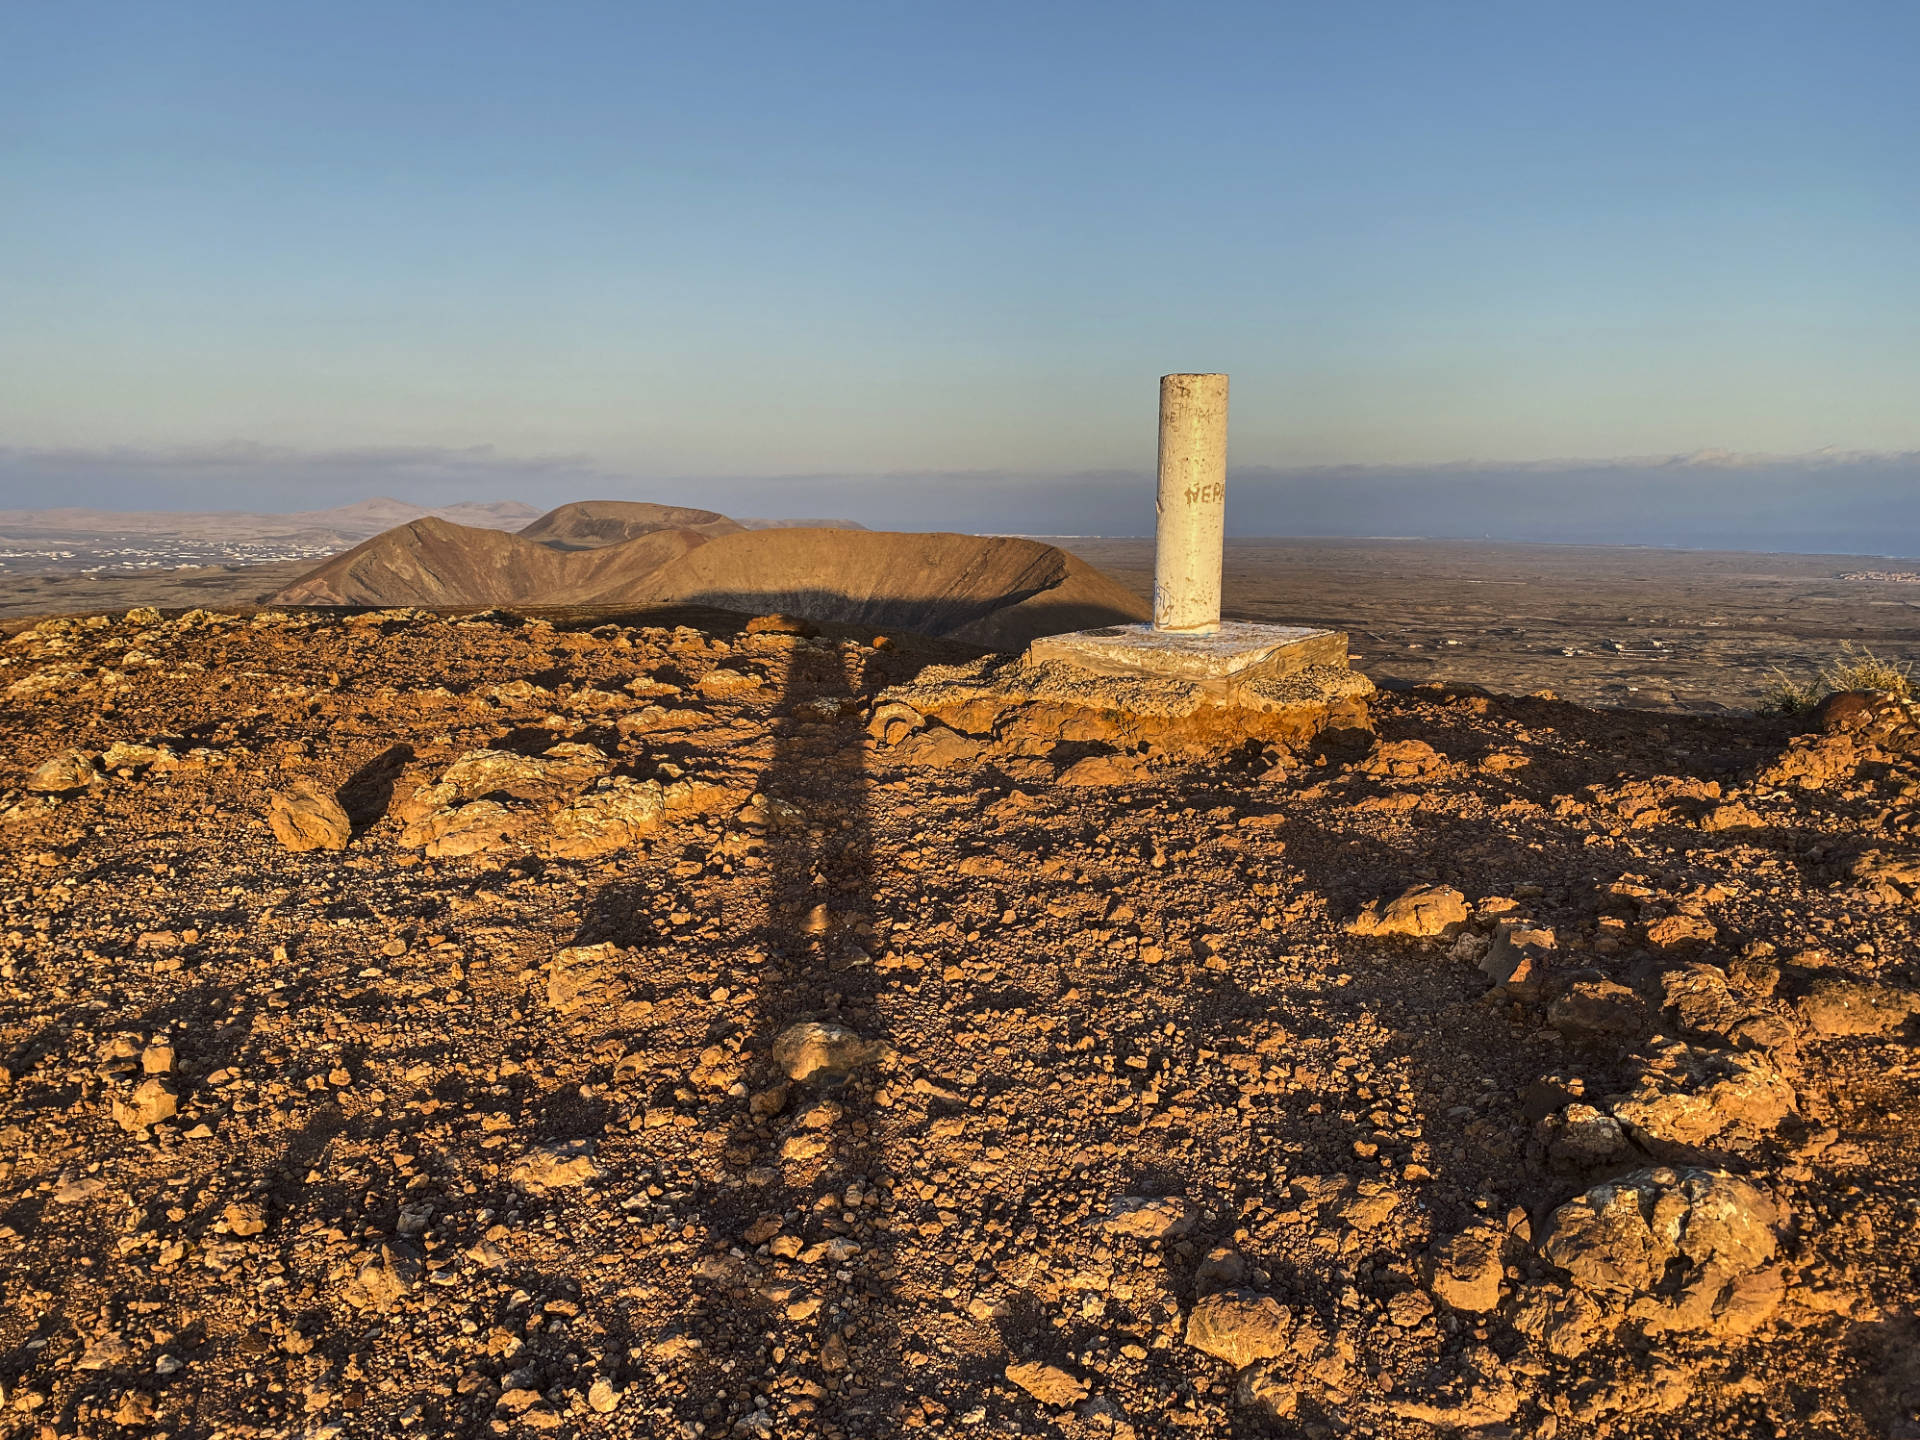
1646 628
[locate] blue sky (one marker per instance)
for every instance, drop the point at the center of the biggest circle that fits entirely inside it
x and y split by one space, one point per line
708 244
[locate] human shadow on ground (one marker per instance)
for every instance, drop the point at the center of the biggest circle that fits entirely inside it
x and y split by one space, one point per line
813 1276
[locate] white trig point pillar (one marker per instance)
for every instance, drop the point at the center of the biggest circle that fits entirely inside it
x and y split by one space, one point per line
1192 504
1187 641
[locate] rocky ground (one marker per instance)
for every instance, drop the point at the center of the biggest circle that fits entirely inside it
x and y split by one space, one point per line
649 1029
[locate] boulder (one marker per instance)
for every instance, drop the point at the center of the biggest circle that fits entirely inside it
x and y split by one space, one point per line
1852 1007
1599 1009
1103 770
1423 912
64 774
305 817
1686 1095
460 830
825 1052
1689 1248
1239 1327
1701 999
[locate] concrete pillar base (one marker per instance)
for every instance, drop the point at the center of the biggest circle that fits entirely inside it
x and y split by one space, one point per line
1239 651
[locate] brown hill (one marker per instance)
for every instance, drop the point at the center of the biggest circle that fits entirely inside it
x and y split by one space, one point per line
590 524
990 590
993 591
436 563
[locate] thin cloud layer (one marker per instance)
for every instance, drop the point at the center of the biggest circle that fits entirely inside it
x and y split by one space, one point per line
1827 501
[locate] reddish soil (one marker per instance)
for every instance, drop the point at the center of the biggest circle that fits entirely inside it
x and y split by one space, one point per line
1136 1131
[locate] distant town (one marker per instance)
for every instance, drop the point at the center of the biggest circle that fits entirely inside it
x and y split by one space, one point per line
170 554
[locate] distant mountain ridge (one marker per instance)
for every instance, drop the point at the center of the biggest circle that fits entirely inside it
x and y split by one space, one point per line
997 591
358 521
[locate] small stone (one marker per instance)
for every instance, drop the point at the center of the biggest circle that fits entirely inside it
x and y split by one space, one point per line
136 1409
157 1059
1677 931
1410 1309
104 1352
1466 1270
1223 1269
824 1052
245 1218
72 1190
305 817
151 1102
1167 1217
1582 1136
555 1167
384 1277
1517 960
1048 1384
602 1398
1268 1386
1403 760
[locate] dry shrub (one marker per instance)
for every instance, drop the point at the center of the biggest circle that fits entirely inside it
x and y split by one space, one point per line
1861 669
1854 668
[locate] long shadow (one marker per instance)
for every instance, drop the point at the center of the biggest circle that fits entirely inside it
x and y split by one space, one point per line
806 1152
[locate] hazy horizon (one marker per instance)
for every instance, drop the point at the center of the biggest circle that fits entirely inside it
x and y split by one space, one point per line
1815 504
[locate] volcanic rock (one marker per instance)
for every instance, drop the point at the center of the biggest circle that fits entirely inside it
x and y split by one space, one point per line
1424 912
63 774
1517 960
1850 1007
152 1101
245 1218
305 817
1621 1238
1687 1096
1403 760
1048 1384
384 1277
1141 1218
824 1052
555 1167
1239 1326
1466 1271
